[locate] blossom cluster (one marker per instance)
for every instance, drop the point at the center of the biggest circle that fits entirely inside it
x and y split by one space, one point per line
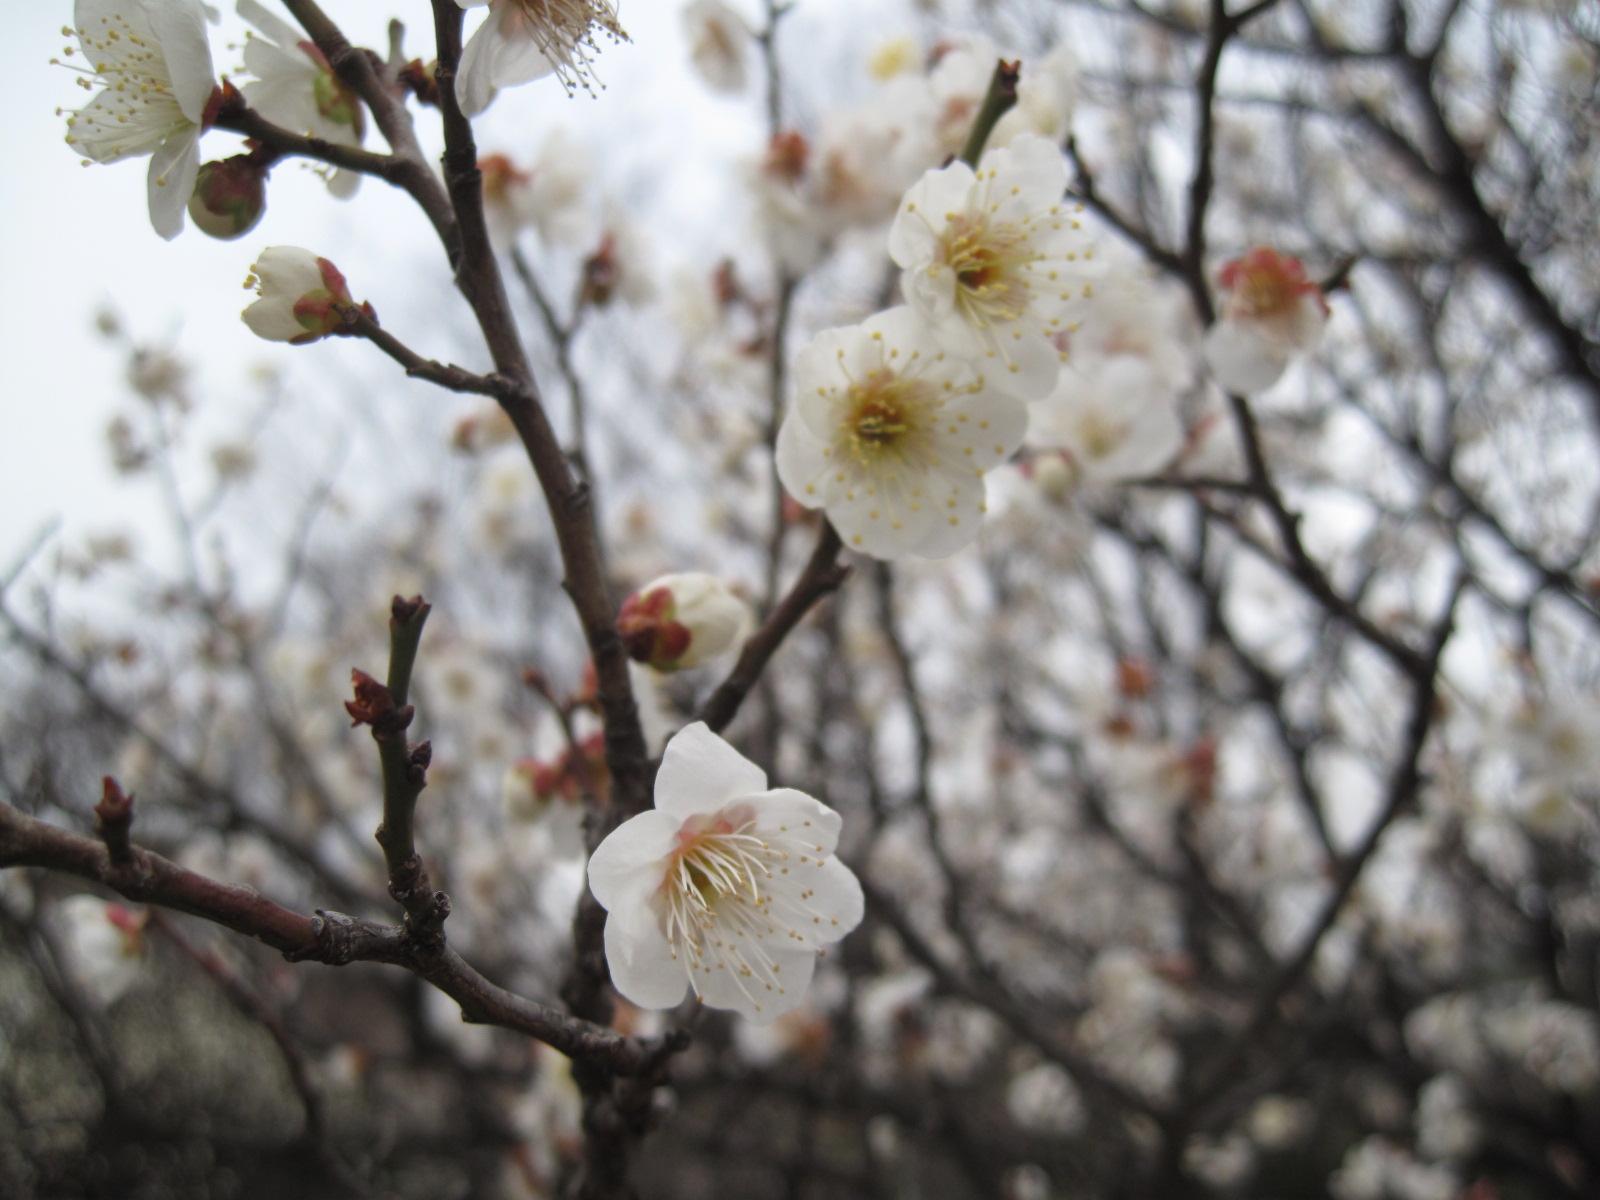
896 421
851 172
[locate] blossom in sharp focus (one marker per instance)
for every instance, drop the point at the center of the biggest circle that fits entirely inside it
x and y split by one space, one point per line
681 620
295 87
719 39
301 297
726 887
995 258
524 40
891 434
1270 313
152 63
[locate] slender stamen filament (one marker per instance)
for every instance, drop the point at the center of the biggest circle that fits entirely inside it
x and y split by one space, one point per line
564 32
886 419
729 896
988 259
135 108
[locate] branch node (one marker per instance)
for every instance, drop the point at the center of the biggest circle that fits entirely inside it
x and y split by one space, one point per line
333 940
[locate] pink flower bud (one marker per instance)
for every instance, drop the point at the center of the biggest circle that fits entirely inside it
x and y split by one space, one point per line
682 620
229 197
1270 313
1265 284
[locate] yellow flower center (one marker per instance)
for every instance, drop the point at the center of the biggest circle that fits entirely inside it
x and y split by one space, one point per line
884 417
988 262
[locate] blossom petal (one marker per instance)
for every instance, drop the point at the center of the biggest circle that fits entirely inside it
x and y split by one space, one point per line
1025 176
499 54
271 320
828 907
170 182
1022 361
811 823
800 461
1242 359
913 239
99 132
886 518
344 184
630 863
700 773
475 84
643 970
764 994
180 30
960 516
264 19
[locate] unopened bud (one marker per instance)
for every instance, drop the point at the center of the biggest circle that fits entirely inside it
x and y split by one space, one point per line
600 273
229 197
1054 476
682 620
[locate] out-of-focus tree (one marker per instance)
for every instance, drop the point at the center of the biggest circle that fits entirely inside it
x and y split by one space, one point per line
1134 464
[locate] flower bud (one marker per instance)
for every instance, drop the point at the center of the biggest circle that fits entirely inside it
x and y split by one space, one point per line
682 620
1054 476
302 297
530 787
1270 312
229 197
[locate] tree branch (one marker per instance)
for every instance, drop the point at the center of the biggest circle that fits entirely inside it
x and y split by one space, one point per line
327 937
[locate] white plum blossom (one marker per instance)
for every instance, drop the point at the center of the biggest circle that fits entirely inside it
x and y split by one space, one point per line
152 63
1047 90
621 265
1135 316
301 297
891 434
1555 1042
1377 1169
682 620
957 84
866 157
1046 96
1278 1122
726 887
295 87
996 259
1119 424
895 57
549 196
1556 745
1271 312
788 203
719 39
1044 1100
524 40
102 945
1446 1125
